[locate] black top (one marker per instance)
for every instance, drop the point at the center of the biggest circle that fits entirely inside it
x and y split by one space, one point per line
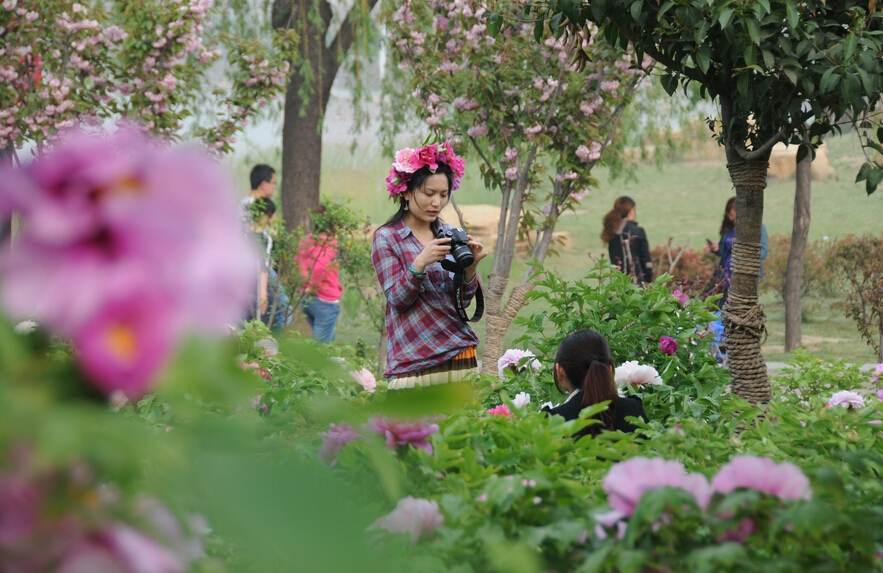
636 238
626 406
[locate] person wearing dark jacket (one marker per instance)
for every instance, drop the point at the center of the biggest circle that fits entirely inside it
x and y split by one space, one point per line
627 242
584 368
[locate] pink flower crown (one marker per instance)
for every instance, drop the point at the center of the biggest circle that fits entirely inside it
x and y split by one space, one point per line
408 161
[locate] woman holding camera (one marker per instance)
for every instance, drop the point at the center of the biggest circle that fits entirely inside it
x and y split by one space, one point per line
428 343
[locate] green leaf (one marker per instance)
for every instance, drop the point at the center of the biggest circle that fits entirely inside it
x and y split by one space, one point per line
765 4
494 23
863 172
753 30
867 83
829 81
791 14
849 46
880 134
703 59
750 55
636 8
664 9
724 19
791 75
742 84
874 178
768 59
539 30
802 152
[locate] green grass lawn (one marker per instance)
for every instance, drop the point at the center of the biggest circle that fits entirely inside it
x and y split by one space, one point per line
683 200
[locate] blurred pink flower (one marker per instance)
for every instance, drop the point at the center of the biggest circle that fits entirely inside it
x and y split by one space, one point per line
633 373
501 410
783 480
417 517
521 400
682 298
334 440
404 432
742 532
627 481
123 222
365 379
512 357
120 549
19 510
878 373
668 345
847 399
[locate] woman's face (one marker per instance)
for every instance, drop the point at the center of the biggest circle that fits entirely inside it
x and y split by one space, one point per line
731 214
427 202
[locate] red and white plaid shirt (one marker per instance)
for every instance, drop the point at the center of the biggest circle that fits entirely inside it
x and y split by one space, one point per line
422 325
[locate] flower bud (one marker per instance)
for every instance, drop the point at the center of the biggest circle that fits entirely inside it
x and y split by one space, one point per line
852 436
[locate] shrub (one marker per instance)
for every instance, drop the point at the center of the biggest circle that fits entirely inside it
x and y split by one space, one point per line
860 271
817 279
692 271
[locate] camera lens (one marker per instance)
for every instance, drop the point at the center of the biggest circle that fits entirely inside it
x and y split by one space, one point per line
463 255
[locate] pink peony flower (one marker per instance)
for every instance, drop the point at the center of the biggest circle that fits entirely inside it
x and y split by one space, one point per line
847 399
513 357
741 534
334 440
878 373
417 517
501 410
668 345
783 480
122 549
404 432
19 510
633 373
682 298
126 342
120 225
365 379
880 394
627 481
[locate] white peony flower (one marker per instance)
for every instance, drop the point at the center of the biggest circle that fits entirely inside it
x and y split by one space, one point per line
521 400
632 372
513 356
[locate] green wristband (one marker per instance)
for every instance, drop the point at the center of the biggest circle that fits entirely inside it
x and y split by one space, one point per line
415 272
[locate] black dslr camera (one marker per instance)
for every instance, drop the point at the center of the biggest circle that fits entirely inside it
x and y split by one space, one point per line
459 249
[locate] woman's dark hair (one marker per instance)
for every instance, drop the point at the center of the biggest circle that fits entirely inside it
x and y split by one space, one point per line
728 225
585 358
614 218
417 181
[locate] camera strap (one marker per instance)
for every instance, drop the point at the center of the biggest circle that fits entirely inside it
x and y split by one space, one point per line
459 303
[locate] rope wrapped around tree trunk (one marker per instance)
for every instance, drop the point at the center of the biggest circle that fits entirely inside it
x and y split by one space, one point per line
497 326
744 324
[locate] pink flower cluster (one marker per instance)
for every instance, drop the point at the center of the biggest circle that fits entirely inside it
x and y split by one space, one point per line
408 161
125 247
501 410
396 433
416 517
36 536
628 481
365 379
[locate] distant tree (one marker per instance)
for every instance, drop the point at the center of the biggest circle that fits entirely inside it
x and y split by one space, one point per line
329 32
771 66
536 123
67 63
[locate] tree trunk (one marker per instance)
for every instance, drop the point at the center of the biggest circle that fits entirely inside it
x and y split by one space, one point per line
742 316
305 104
799 234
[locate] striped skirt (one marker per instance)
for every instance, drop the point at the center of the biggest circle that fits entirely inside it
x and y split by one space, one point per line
457 369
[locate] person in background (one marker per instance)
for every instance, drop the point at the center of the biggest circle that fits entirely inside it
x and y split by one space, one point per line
584 369
263 186
318 266
272 304
428 343
627 241
724 248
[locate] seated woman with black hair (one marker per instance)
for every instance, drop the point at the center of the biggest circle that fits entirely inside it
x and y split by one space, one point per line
584 368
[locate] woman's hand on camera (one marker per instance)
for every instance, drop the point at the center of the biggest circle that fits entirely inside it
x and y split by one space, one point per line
479 253
435 251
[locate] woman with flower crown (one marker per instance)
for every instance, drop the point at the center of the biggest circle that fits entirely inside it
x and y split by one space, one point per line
428 342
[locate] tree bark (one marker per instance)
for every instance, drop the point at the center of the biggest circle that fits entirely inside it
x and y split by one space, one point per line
742 316
302 125
799 234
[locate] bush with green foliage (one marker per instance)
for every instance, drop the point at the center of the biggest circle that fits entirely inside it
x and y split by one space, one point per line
817 279
857 264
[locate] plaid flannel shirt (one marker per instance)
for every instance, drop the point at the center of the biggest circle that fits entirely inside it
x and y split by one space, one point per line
422 325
